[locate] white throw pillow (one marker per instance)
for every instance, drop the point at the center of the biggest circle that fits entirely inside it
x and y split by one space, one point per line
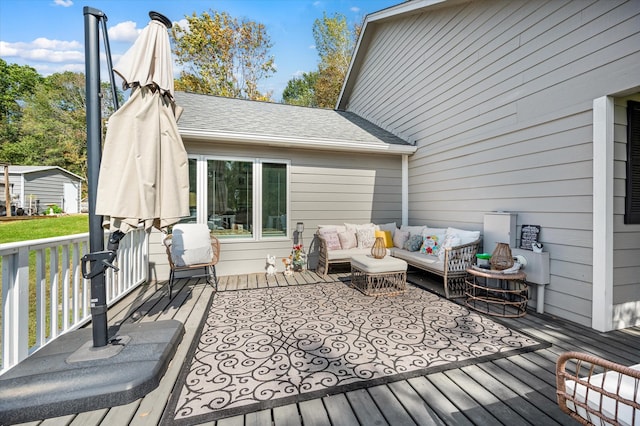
337 228
353 227
449 241
347 240
433 231
413 230
366 237
191 244
330 236
399 238
391 226
466 237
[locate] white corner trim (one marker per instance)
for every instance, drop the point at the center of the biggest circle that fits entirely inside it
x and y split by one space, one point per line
602 286
405 189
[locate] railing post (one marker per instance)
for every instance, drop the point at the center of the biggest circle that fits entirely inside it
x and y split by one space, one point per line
15 273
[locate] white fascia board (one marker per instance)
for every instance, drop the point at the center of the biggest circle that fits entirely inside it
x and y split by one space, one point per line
400 9
299 143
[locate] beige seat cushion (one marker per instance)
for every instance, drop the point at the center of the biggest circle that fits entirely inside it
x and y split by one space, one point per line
371 265
416 258
346 254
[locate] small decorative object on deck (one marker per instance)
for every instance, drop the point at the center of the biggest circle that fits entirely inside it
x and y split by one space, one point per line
379 249
501 258
271 265
288 265
298 257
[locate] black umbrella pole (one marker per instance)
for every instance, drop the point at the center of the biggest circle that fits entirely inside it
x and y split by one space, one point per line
94 155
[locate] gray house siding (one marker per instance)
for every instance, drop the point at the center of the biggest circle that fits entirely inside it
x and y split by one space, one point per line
325 187
497 96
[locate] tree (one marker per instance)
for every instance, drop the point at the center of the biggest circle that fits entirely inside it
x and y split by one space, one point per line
335 43
17 84
222 56
52 126
301 90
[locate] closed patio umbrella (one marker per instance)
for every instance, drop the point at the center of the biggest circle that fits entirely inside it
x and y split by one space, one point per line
143 179
144 176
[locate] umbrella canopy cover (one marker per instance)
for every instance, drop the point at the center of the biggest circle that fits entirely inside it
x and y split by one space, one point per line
148 61
144 174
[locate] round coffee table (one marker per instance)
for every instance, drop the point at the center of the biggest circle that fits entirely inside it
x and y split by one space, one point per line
496 293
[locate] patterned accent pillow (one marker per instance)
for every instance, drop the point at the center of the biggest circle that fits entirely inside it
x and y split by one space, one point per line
347 240
331 238
366 237
413 243
430 244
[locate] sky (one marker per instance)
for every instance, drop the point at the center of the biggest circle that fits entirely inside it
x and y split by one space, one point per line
48 35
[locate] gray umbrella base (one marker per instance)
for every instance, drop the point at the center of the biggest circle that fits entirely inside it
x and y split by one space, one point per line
70 376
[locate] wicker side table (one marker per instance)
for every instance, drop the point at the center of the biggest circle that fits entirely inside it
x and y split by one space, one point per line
379 277
508 298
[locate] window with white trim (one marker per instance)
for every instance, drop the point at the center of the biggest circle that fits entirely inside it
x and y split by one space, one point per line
632 198
233 195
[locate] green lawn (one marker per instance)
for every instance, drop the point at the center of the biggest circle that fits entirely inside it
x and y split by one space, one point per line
34 229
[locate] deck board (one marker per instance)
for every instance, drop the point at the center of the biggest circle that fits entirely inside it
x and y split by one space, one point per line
391 408
313 413
519 389
414 405
339 410
365 408
286 415
474 411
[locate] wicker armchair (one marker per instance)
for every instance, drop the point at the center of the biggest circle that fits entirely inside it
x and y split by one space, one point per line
595 391
191 247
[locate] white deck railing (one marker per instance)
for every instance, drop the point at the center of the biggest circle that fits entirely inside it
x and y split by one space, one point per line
45 295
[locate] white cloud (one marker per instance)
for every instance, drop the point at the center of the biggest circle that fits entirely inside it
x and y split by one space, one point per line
184 24
124 31
44 50
355 9
8 49
312 47
63 3
45 43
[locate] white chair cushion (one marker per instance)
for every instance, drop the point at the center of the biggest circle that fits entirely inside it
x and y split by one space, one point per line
191 244
628 390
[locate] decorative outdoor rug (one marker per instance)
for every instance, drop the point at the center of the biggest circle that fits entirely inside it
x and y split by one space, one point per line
274 346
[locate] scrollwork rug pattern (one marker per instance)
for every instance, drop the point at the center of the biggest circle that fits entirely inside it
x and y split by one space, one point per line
267 347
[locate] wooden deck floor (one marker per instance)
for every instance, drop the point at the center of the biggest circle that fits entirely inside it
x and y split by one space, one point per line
517 390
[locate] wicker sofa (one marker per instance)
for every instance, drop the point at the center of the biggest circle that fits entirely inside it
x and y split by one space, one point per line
596 391
451 263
